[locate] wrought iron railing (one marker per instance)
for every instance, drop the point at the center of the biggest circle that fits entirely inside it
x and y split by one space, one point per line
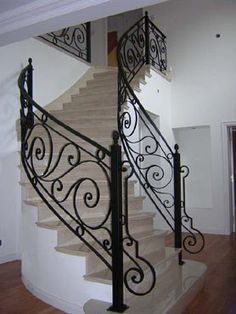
157 167
52 151
75 40
51 154
54 154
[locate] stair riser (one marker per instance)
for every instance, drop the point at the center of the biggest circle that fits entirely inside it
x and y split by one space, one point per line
66 236
78 114
101 83
111 99
105 75
165 282
101 208
92 105
94 172
31 194
155 243
91 90
79 123
82 125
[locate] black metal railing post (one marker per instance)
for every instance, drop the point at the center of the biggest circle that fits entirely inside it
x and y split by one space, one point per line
29 78
177 199
117 233
29 83
88 41
147 39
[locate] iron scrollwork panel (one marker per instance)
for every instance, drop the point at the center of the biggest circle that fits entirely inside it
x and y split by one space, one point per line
70 174
193 241
75 40
154 164
140 275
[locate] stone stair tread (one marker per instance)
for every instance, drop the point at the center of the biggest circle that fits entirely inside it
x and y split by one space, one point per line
87 92
37 199
53 223
68 120
86 110
82 249
105 276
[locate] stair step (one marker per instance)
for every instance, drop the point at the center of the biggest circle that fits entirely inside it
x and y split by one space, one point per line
31 194
157 259
138 222
134 216
108 82
85 112
148 241
135 205
74 120
106 74
86 123
98 130
173 292
100 90
110 98
67 172
79 104
91 90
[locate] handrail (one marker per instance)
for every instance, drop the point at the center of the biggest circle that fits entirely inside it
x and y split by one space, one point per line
157 166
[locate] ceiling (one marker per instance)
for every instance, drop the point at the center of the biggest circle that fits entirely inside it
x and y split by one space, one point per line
6 5
21 19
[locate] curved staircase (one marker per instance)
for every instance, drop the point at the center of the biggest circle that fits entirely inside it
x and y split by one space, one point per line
93 112
85 191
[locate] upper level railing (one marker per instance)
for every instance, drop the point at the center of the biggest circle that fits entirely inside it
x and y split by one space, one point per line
157 167
75 40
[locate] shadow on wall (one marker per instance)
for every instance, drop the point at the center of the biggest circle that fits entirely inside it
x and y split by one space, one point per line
9 113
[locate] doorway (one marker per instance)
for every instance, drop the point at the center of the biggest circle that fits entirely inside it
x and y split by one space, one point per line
117 25
232 172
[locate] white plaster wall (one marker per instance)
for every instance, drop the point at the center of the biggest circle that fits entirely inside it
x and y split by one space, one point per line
204 76
54 73
199 201
99 42
54 277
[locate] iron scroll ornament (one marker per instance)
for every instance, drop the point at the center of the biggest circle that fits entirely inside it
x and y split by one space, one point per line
154 166
139 267
75 40
55 165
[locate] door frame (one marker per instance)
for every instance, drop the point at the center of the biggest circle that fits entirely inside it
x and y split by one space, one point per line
227 173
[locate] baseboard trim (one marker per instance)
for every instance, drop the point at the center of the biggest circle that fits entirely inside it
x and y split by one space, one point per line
10 258
51 299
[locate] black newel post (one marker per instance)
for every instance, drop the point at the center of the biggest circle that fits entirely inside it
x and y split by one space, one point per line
117 237
29 83
29 78
88 41
147 39
177 195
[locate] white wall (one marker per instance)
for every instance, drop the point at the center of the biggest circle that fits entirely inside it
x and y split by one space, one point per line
204 76
193 142
99 42
54 73
52 276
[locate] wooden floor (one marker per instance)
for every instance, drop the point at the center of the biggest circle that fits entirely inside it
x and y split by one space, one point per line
219 295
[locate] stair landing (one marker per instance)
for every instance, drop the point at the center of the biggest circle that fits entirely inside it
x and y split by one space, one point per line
169 301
